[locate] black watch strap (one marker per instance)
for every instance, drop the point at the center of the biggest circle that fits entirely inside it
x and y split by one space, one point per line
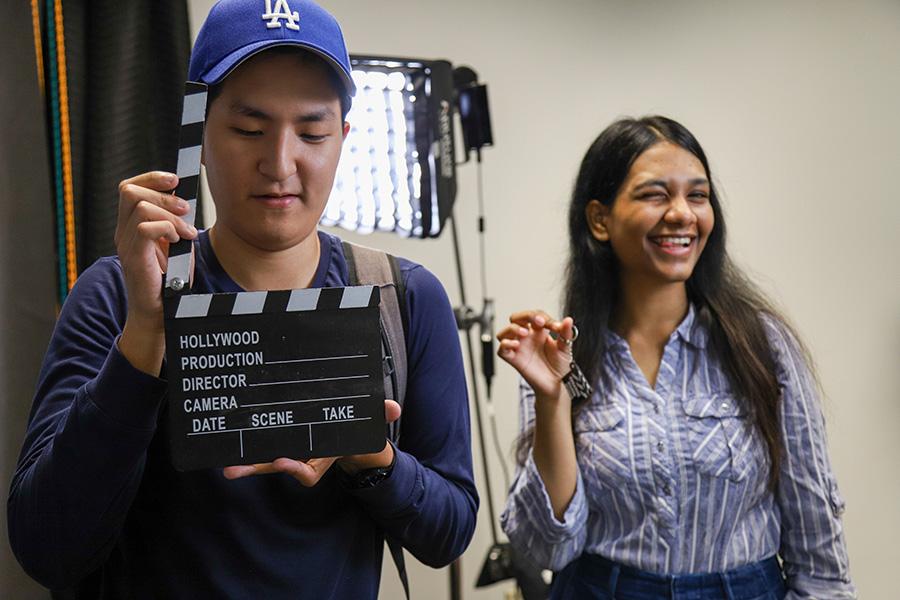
368 478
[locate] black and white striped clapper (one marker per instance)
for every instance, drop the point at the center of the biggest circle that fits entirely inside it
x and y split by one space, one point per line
254 376
190 141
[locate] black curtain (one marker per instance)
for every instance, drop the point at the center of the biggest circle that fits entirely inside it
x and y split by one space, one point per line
126 66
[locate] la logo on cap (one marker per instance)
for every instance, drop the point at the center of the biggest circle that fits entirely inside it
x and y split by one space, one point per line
282 11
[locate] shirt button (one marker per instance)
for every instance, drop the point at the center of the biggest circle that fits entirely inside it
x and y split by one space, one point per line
724 405
667 490
660 446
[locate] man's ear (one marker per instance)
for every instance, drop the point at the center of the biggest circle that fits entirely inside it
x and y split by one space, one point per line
596 214
346 129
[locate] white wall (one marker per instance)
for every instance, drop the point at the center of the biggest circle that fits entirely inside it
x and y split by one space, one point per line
796 105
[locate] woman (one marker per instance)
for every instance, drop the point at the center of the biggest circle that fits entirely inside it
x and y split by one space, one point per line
677 446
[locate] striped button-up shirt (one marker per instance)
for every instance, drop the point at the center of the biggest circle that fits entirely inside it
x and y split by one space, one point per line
673 479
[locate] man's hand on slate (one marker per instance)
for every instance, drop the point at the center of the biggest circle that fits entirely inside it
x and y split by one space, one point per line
309 472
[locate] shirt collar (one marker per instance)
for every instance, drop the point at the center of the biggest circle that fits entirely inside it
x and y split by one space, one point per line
691 330
215 278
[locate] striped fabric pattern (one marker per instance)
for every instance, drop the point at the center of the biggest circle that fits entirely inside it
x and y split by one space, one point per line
673 479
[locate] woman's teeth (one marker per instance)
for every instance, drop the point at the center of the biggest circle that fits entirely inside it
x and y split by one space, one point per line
673 241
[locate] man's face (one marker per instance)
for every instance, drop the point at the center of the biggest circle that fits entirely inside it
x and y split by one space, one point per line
272 143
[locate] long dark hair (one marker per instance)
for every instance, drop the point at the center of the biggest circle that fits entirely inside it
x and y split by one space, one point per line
727 303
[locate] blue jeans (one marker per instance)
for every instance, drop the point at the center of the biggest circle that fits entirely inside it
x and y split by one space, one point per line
592 577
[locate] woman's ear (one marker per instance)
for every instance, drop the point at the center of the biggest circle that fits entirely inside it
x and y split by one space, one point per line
596 214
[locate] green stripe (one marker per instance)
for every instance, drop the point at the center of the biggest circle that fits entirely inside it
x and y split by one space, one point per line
57 153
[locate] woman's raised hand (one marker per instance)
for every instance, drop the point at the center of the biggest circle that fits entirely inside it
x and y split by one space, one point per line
539 348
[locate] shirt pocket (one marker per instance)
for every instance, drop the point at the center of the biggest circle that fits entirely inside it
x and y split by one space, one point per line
721 439
601 445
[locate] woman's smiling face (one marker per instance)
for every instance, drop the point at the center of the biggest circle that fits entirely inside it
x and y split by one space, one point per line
661 218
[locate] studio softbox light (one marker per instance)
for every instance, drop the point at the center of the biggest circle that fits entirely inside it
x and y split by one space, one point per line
397 171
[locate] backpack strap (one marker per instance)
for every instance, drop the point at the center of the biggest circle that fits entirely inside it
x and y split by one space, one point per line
367 266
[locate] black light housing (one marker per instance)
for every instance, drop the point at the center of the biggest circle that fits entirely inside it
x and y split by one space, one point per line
474 114
504 562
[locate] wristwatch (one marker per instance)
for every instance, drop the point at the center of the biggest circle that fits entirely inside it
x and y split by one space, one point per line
368 478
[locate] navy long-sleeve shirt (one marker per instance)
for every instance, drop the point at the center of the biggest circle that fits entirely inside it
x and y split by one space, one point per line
97 510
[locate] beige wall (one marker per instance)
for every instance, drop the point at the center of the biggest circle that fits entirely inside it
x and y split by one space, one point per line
796 105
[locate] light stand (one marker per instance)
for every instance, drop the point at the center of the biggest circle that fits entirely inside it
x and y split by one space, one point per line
501 562
496 565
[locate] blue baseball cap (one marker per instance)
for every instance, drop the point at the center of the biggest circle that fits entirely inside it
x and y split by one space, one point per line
235 30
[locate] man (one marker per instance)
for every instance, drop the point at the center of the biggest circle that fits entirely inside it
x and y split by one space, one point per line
96 509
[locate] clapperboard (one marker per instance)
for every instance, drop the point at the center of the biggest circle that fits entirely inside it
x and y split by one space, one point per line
254 376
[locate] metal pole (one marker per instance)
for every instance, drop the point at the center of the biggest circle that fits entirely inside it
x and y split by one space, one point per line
475 395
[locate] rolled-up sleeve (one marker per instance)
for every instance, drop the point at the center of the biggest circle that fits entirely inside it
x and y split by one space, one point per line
528 518
813 548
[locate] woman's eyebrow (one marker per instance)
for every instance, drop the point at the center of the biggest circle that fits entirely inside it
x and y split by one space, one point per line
661 183
650 183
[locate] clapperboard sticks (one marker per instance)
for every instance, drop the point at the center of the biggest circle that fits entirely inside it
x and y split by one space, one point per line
252 303
190 143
